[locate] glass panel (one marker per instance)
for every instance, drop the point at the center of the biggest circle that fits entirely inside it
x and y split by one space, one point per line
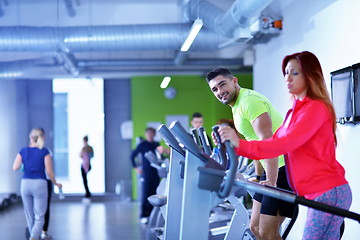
61 132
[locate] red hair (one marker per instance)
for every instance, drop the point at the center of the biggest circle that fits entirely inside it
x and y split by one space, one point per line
314 78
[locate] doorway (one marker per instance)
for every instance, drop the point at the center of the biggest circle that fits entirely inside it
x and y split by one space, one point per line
78 112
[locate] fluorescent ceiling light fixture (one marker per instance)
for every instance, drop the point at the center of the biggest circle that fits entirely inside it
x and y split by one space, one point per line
194 30
10 74
165 82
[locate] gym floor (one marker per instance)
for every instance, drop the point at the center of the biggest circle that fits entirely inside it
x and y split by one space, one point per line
107 220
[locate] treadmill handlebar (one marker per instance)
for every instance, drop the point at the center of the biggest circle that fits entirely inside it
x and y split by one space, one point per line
151 156
327 208
226 186
221 146
204 140
170 139
196 136
266 190
292 198
185 138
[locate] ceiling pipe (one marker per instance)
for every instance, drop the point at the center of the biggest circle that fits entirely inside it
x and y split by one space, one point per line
16 69
159 62
55 72
68 61
231 23
104 38
64 57
222 26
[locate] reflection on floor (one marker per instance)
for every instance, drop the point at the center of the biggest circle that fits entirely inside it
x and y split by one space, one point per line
70 220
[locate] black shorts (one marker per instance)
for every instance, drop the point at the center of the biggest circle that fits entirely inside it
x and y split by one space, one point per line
271 206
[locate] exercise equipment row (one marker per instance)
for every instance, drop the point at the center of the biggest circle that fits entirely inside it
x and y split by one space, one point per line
188 205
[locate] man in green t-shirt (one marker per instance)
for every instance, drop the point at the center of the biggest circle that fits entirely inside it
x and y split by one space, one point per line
256 119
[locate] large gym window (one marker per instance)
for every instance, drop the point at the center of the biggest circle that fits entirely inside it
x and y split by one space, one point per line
78 111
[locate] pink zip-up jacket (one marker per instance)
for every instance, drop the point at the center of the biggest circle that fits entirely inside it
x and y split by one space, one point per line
306 138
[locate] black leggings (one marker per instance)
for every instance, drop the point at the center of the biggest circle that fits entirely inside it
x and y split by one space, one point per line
47 214
84 177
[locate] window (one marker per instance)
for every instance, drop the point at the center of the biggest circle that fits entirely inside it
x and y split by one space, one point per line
78 111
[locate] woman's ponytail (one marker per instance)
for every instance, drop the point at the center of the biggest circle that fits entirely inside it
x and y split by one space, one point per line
37 136
40 142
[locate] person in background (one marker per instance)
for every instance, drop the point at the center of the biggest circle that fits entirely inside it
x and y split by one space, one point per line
87 152
307 137
35 160
256 118
44 234
147 172
197 120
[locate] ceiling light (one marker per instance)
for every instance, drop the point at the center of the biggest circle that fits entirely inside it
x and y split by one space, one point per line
195 29
165 82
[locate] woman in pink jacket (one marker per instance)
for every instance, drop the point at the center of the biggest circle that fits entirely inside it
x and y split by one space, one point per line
307 139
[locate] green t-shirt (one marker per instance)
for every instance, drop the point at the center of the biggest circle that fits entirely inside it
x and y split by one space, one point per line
250 105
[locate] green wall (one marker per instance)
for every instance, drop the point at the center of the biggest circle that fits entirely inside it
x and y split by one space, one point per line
193 95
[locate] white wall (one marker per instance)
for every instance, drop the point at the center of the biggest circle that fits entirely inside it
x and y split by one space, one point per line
23 105
8 144
330 29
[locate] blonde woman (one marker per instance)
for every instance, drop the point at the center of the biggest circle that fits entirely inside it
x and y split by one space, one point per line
36 160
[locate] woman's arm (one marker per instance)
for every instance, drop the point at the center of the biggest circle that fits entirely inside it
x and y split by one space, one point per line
17 162
306 124
50 171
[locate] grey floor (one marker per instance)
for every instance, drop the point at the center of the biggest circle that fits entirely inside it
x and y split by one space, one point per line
73 220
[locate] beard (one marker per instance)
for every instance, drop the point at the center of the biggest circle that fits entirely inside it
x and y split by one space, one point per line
230 97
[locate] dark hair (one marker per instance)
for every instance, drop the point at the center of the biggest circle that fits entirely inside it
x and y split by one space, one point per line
217 72
228 122
86 138
150 129
311 69
197 115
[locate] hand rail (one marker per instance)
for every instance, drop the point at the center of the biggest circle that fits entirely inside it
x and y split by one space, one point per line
169 139
221 146
196 136
185 138
290 197
204 140
150 155
226 186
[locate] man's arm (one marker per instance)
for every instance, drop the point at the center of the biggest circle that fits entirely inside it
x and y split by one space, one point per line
259 170
262 126
163 150
134 153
